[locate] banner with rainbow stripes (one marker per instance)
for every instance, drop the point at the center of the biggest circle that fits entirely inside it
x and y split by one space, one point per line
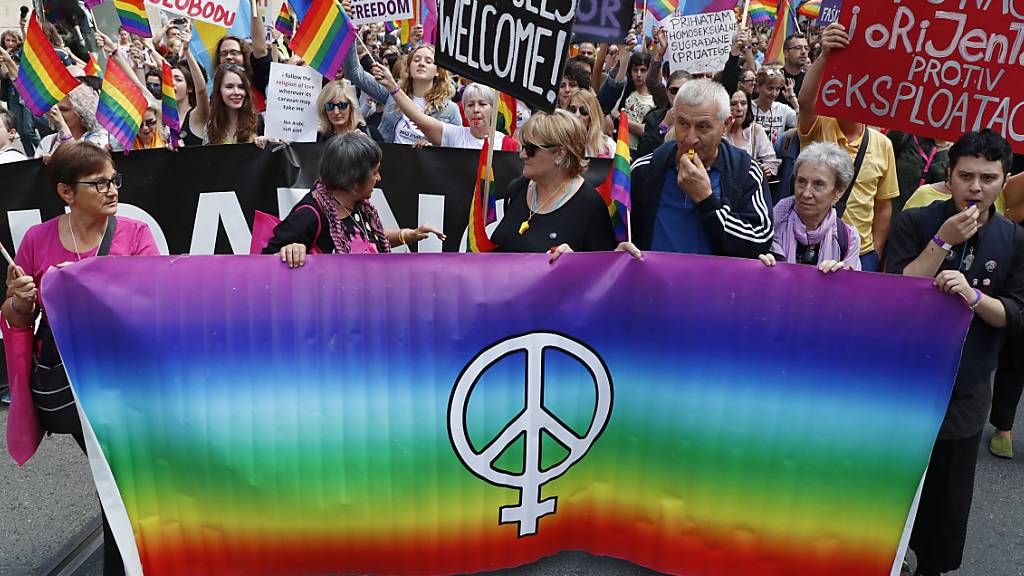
42 80
324 37
132 14
122 105
447 413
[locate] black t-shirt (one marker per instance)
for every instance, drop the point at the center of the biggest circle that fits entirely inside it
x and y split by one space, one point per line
582 223
1018 164
799 79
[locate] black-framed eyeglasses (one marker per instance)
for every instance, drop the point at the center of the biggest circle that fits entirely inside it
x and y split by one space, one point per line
582 110
531 149
673 90
748 81
102 185
331 106
148 124
231 53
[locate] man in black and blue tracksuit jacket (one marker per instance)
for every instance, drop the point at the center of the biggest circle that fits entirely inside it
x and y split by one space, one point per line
679 205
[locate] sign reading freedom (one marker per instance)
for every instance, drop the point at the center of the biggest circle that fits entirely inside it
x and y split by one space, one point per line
448 413
950 66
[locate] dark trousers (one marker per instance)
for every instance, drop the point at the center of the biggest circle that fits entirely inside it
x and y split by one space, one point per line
940 529
113 564
1009 383
870 262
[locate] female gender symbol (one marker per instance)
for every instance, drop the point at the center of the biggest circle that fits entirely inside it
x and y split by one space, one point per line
534 419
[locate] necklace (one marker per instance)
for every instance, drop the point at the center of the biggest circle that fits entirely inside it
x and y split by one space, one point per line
74 240
356 219
547 204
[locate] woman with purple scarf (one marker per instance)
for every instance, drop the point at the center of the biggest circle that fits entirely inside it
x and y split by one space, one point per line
336 217
807 229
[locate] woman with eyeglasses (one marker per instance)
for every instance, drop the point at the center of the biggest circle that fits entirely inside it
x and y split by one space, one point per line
478 103
336 216
231 117
584 105
748 135
85 178
774 116
552 208
748 81
150 130
338 110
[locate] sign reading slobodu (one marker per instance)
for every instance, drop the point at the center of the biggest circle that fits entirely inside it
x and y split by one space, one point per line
700 43
603 21
516 46
291 103
219 12
952 66
374 11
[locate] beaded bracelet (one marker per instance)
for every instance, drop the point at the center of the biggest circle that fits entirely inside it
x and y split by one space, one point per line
977 299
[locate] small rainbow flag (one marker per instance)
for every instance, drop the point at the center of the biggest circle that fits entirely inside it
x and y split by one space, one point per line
325 36
477 237
509 111
428 10
785 26
133 17
285 24
42 80
121 106
91 69
169 111
809 8
662 9
763 11
616 188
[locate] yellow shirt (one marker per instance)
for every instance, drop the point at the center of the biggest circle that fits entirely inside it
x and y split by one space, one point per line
927 194
877 177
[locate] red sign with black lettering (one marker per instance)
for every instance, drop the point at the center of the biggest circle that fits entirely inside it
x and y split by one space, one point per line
934 68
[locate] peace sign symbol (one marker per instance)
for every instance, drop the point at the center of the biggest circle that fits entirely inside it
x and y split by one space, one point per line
531 422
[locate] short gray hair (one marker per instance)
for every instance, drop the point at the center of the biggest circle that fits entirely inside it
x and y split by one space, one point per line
475 90
697 92
84 101
831 155
348 160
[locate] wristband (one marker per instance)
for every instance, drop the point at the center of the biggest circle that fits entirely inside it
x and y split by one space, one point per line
977 299
941 243
401 237
67 138
395 91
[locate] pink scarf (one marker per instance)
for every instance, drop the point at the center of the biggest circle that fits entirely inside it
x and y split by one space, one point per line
791 231
367 214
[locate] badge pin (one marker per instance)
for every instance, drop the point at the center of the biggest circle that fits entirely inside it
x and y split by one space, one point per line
986 282
974 282
553 235
990 266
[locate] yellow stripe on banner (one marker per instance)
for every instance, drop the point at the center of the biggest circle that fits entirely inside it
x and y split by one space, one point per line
208 35
124 100
44 75
318 39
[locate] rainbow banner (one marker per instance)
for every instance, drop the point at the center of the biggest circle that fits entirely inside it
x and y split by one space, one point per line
132 14
476 237
169 104
809 9
615 189
324 37
91 68
453 413
785 26
42 80
122 105
285 24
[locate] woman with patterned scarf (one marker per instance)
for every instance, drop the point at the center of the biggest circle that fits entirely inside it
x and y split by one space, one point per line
336 217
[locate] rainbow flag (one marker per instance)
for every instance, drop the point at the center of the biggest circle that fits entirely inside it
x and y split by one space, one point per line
785 26
809 9
477 235
133 17
121 106
285 24
508 109
324 37
763 11
42 80
615 189
91 69
428 9
662 9
645 436
169 110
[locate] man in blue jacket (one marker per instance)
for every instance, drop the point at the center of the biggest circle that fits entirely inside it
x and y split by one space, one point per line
699 195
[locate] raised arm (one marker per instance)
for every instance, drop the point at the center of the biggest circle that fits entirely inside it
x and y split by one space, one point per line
833 38
201 113
259 33
432 128
362 79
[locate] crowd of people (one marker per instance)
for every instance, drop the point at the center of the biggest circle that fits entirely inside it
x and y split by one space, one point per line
735 164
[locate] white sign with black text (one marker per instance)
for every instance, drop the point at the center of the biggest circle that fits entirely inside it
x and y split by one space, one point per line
374 11
291 103
700 43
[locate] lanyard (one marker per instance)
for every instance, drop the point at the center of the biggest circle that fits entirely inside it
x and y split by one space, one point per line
927 159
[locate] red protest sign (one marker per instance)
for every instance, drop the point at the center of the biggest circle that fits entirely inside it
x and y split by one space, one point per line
935 68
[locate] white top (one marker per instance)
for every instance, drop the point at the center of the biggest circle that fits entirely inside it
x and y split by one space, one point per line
99 137
779 118
11 155
462 137
406 131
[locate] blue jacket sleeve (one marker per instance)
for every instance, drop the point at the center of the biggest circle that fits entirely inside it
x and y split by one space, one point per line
740 224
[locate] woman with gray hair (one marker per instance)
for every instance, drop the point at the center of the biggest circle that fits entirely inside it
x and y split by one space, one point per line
74 120
807 229
478 102
336 217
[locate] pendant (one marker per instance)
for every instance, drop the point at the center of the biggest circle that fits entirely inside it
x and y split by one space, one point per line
524 227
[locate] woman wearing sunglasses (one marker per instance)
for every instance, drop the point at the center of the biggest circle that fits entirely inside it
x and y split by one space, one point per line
84 177
552 208
150 130
583 104
338 109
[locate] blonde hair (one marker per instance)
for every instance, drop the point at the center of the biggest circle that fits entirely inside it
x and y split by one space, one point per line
558 129
332 90
596 141
440 93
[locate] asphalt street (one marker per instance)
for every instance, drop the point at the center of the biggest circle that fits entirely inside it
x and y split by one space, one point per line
51 499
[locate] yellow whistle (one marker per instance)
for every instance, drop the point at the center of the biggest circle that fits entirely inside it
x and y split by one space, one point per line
523 228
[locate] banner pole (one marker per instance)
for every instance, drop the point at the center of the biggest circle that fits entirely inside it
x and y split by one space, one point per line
359 37
485 196
746 13
643 26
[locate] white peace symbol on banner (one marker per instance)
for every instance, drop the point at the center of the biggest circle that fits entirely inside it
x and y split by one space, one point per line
533 420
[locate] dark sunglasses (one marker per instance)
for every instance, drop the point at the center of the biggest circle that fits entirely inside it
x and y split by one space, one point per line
673 90
149 123
331 106
531 149
583 111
